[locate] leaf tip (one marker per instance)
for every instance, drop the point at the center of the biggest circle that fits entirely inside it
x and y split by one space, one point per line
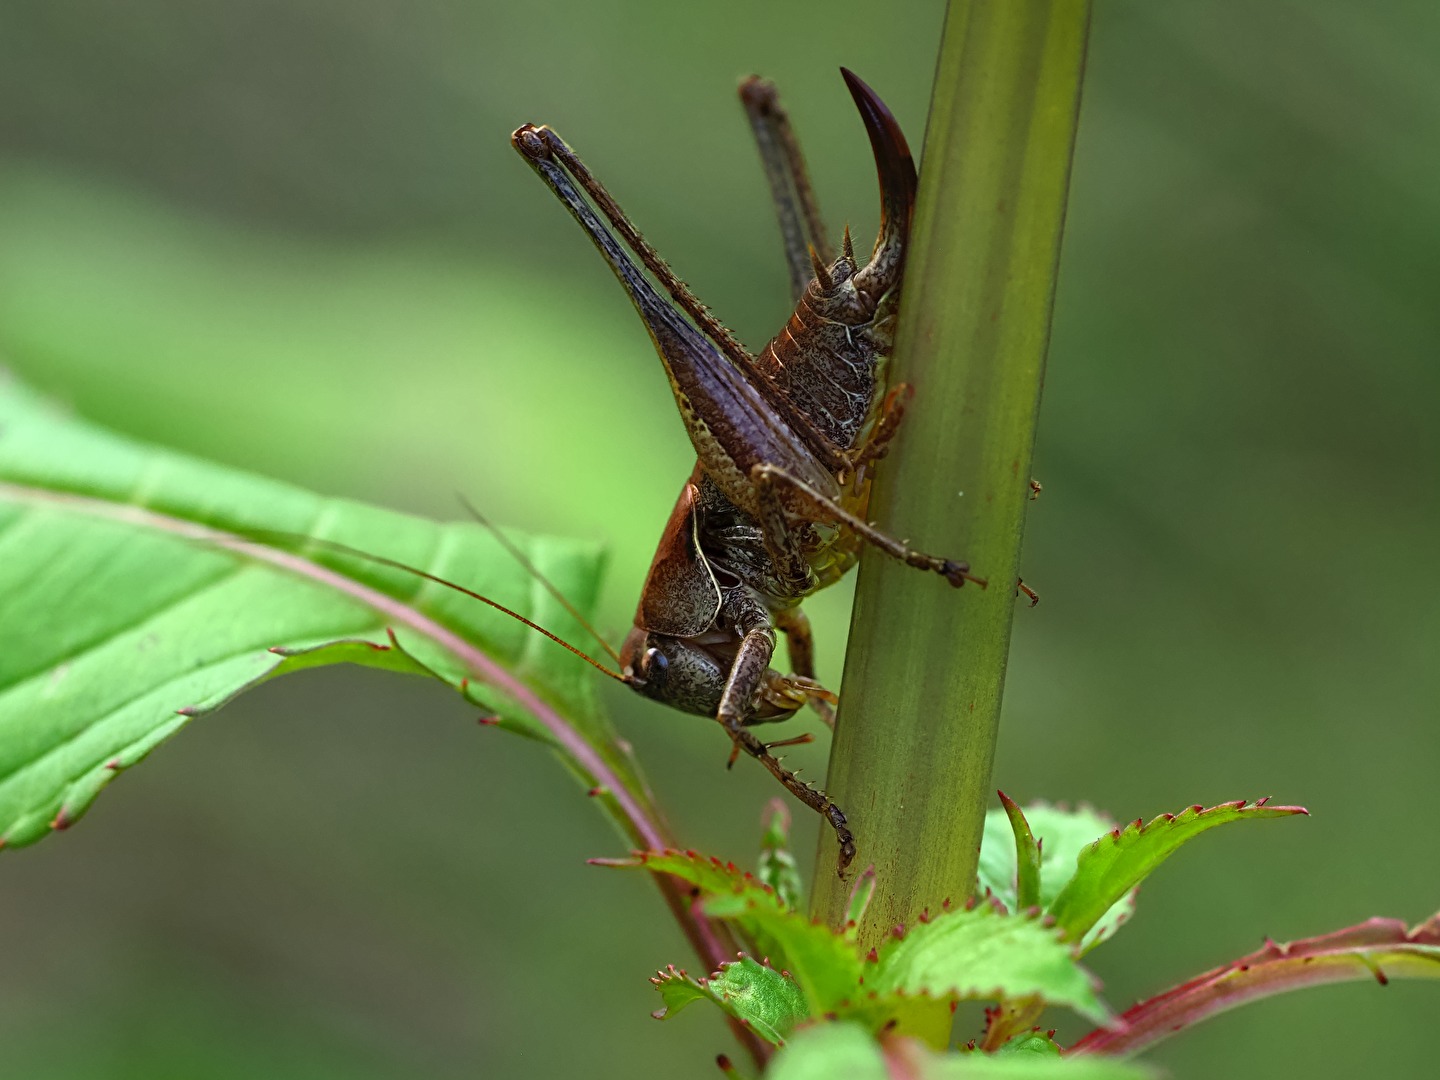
638 859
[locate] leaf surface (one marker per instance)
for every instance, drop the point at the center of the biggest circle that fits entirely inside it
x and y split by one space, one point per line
827 1051
1113 865
1060 835
979 954
753 993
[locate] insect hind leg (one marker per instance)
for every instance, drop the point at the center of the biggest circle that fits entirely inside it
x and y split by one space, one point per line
807 502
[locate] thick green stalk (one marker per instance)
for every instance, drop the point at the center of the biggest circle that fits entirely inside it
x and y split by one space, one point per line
926 665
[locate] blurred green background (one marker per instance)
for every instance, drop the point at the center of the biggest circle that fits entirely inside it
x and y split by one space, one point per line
292 237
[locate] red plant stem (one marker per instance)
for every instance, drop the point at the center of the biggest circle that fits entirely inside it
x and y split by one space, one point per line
640 822
1377 949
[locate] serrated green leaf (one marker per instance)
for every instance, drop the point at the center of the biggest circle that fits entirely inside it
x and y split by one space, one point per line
981 955
1061 835
753 993
133 603
678 989
777 867
1115 864
1030 1044
823 963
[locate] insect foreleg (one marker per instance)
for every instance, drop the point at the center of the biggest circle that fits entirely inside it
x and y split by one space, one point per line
815 799
752 623
751 661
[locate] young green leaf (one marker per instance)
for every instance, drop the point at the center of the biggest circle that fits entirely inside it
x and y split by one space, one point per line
777 865
1027 856
860 895
979 954
753 993
1031 1044
1060 836
1113 865
135 600
1378 949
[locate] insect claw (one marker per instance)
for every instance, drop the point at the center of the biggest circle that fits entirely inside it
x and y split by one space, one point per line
528 140
957 573
798 740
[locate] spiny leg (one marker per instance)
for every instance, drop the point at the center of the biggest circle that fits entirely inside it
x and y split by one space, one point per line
563 170
752 659
818 508
814 798
801 227
691 304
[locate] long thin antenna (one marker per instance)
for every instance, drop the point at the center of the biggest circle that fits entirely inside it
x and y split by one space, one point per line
260 536
534 571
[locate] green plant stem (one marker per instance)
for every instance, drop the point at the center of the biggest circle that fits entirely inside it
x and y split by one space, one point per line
913 748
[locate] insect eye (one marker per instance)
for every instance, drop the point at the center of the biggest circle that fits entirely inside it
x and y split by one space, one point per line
655 666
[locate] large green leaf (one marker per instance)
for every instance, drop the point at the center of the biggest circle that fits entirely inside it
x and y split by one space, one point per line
135 600
979 954
846 1050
